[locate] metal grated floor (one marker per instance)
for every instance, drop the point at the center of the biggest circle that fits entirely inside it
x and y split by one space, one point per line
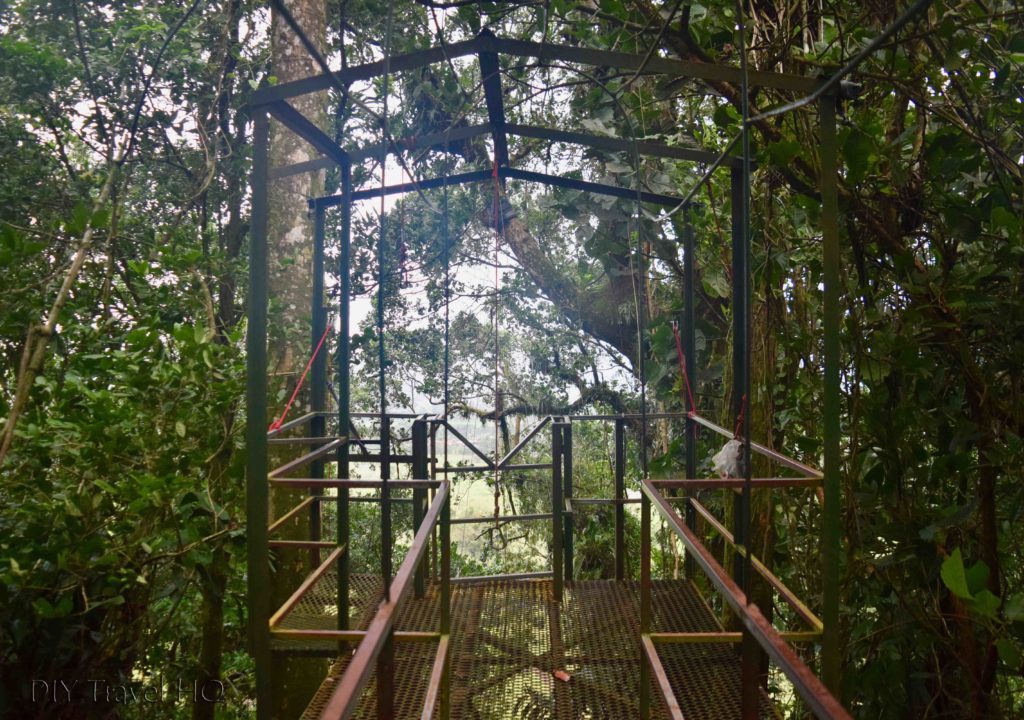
508 637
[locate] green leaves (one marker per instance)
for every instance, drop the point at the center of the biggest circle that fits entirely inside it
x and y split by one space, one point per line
969 584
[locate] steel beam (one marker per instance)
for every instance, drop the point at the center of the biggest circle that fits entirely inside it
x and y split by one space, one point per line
366 71
419 495
568 521
813 692
832 318
542 51
615 144
490 74
620 497
556 509
257 492
304 128
690 351
591 187
343 383
652 65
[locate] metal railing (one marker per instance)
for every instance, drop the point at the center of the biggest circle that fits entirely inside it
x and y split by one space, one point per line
758 631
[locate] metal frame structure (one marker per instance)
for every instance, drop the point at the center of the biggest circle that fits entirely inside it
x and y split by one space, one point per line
375 648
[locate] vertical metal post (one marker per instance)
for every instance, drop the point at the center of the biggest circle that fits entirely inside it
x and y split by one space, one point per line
645 602
830 661
690 350
342 381
434 557
318 374
620 499
750 655
386 659
570 517
257 500
420 471
446 602
556 507
385 504
739 351
386 679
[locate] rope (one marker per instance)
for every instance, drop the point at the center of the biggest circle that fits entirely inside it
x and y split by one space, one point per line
276 425
692 407
747 519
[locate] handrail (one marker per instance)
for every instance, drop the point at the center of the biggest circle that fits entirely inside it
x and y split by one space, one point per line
307 458
813 692
771 578
345 698
731 482
761 449
294 423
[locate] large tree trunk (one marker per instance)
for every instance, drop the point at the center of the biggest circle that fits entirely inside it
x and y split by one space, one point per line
290 254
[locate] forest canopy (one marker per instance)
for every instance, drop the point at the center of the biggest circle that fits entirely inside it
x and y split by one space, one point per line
126 143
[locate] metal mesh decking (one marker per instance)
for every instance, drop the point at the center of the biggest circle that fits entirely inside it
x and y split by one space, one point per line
508 638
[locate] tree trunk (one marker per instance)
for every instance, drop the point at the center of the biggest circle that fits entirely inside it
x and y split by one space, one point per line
290 257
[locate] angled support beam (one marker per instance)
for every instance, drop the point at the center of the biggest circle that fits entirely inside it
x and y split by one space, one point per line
305 129
486 175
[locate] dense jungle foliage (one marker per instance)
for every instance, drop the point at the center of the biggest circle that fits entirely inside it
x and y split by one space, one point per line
125 144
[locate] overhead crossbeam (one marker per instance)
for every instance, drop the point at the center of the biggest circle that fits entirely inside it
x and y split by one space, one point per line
611 144
452 137
542 51
490 76
509 173
592 187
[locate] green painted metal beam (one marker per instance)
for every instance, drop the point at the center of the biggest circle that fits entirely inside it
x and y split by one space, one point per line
256 490
830 658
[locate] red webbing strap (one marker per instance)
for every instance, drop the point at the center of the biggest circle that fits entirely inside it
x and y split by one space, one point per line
682 366
280 421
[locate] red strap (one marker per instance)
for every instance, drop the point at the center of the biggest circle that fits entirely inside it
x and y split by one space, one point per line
280 421
739 420
682 366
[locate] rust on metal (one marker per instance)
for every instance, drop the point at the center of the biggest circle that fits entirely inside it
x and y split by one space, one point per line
345 697
436 675
309 582
813 692
661 677
776 583
306 458
306 502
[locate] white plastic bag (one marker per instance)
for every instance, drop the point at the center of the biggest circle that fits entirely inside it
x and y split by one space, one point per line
728 462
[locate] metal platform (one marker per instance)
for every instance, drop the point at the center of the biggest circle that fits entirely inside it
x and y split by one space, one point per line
510 637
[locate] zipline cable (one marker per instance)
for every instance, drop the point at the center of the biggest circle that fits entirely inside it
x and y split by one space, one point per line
745 310
381 379
499 234
909 14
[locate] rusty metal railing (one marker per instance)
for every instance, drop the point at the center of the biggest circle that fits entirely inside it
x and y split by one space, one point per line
756 628
377 639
